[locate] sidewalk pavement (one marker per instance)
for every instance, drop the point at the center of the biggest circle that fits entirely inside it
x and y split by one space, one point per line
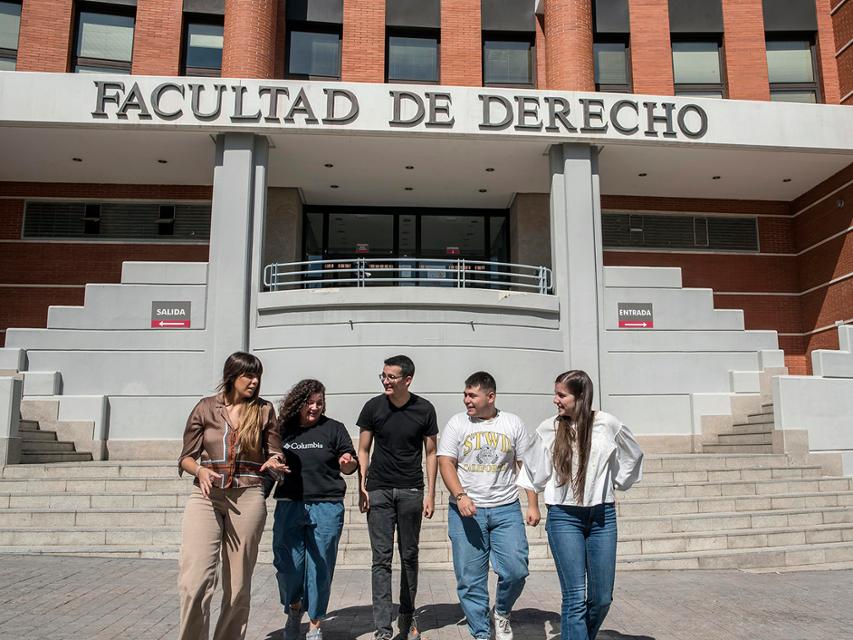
46 598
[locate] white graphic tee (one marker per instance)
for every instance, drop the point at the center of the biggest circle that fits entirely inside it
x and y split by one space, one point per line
486 452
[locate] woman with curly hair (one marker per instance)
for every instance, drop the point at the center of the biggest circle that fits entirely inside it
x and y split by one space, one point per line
309 514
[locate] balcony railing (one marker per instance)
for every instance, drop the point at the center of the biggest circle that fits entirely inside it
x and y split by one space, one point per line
412 272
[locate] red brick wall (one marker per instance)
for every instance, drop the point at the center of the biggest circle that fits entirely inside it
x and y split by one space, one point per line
157 37
44 43
461 47
72 264
248 49
568 30
541 55
363 46
826 54
744 52
651 53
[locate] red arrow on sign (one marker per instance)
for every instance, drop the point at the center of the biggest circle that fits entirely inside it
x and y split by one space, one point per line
635 325
170 324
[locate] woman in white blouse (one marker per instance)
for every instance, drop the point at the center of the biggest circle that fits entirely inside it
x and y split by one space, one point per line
580 456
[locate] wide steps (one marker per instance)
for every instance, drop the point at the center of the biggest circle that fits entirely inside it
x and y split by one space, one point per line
64 456
737 448
753 437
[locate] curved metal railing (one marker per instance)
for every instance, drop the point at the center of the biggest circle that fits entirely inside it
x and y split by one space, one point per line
424 272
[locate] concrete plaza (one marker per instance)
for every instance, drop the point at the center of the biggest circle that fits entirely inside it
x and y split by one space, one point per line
44 598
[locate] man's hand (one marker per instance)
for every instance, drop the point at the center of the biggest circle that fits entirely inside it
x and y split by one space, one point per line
429 506
206 478
466 506
363 500
276 465
533 515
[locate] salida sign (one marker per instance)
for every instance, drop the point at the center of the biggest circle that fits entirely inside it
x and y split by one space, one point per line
170 315
636 315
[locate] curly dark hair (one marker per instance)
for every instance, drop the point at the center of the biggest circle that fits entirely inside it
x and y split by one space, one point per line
297 397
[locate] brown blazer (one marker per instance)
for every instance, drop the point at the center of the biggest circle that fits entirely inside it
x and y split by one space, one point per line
209 436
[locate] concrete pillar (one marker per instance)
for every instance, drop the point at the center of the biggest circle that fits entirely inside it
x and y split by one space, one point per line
239 199
568 34
577 256
248 47
11 390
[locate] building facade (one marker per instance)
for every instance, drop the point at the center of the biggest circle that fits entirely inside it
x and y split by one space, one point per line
503 184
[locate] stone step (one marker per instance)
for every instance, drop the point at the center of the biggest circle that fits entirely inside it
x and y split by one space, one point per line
737 488
757 418
725 504
38 446
28 425
38 436
750 438
737 448
753 427
713 461
41 458
788 555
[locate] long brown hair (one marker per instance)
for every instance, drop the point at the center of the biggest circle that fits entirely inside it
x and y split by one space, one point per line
579 385
297 397
249 429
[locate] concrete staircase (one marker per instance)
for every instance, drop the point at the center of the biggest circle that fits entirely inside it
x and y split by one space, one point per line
40 430
690 511
753 435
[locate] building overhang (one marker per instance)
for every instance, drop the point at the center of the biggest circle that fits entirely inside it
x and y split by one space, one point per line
152 130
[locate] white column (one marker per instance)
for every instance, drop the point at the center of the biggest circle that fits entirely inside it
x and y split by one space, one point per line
577 258
239 197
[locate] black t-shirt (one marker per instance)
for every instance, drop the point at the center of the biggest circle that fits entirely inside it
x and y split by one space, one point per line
312 455
398 436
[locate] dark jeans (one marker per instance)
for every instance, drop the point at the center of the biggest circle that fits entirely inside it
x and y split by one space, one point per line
403 509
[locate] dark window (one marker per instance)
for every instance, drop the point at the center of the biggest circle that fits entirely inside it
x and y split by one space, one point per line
508 59
314 51
117 221
612 66
412 56
696 68
10 24
791 70
104 40
203 36
679 232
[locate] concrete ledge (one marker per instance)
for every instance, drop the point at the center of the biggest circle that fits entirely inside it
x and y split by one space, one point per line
656 277
42 383
145 450
822 406
12 359
669 444
745 381
11 390
164 273
828 363
83 340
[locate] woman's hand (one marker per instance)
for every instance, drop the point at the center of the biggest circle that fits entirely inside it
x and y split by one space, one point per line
533 515
206 478
347 463
276 465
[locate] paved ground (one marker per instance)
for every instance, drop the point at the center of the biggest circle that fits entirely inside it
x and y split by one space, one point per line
51 597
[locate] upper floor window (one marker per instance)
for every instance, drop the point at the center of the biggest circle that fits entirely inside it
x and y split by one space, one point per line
104 40
791 70
314 51
508 59
696 68
10 23
203 46
612 67
412 56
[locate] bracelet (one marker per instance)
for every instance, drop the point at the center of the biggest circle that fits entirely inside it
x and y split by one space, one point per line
461 494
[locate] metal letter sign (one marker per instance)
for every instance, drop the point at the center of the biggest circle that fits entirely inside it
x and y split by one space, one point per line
170 315
636 315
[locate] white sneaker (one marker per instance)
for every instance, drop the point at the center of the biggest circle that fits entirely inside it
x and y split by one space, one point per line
503 629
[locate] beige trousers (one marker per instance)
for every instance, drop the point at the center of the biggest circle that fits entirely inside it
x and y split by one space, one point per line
230 524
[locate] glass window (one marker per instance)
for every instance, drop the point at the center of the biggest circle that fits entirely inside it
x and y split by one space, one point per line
412 58
611 66
696 69
104 42
507 61
10 24
791 71
314 53
368 234
203 48
453 237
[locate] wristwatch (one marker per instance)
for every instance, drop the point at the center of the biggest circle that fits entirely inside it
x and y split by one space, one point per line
460 495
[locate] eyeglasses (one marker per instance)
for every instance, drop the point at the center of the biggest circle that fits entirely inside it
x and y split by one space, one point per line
389 377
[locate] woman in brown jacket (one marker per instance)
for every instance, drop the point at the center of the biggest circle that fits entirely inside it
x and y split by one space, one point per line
230 440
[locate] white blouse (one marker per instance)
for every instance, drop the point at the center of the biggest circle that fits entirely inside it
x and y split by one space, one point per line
615 460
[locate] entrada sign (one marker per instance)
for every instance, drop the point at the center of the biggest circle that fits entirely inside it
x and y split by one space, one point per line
289 105
636 315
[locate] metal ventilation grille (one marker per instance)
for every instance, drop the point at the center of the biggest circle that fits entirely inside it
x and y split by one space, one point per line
679 232
117 221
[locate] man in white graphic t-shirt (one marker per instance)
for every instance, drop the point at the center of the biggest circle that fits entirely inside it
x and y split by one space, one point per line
479 453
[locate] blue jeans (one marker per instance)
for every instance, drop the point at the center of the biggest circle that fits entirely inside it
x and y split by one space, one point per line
305 548
583 543
496 533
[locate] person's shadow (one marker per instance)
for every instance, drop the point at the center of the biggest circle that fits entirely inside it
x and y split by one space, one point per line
528 624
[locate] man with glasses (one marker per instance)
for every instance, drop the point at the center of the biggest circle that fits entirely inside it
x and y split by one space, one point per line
402 426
